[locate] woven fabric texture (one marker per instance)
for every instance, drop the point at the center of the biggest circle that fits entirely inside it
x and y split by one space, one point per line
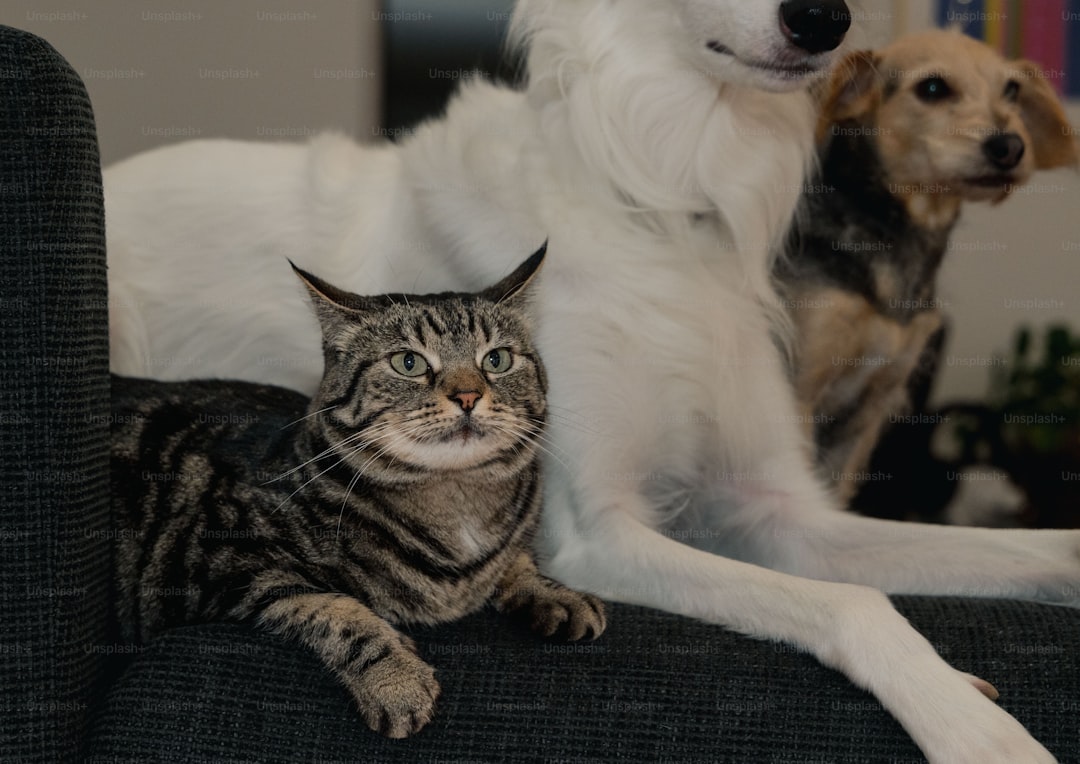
655 687
54 400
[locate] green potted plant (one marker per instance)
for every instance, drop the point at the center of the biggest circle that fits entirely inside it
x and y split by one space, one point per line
1030 426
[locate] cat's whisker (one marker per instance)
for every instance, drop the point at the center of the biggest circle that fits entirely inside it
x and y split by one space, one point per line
401 437
340 461
315 458
329 450
363 468
386 433
336 447
573 420
310 480
308 416
532 429
305 484
416 280
345 501
546 444
535 435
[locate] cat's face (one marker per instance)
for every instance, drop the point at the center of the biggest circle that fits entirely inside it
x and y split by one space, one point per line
437 382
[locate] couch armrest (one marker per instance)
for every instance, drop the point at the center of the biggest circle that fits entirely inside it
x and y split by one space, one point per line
54 404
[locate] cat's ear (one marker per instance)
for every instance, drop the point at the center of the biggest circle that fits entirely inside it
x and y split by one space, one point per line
515 286
332 305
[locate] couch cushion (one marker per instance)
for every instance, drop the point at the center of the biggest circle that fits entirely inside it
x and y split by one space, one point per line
655 687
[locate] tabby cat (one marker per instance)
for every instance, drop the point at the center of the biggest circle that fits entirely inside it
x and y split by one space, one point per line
405 492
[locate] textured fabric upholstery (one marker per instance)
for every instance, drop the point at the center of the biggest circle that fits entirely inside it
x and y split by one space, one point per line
655 687
54 398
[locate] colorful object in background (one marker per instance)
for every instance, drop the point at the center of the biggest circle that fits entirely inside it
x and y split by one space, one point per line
1072 47
1046 31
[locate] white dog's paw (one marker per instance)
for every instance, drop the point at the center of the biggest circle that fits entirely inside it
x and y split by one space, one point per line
1009 744
996 739
965 727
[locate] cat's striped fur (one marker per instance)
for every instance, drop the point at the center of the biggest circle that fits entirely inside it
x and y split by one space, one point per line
405 492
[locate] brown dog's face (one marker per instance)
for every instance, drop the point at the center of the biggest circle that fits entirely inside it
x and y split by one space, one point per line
951 116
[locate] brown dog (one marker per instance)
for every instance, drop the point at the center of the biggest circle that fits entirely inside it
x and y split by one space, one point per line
907 135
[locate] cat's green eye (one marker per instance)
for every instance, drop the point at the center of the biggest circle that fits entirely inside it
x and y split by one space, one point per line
498 361
409 364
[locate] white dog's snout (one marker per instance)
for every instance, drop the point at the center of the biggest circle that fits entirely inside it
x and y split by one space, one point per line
816 26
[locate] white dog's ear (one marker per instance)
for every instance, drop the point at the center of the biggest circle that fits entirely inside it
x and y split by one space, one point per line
1044 117
853 92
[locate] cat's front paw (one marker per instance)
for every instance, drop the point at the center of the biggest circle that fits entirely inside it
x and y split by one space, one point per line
397 692
555 611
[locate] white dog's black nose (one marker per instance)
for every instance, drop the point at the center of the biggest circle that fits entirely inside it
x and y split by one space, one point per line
816 26
1005 150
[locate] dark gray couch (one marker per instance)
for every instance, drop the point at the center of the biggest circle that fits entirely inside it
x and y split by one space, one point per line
656 687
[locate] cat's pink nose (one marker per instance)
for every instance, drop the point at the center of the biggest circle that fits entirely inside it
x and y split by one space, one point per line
465 398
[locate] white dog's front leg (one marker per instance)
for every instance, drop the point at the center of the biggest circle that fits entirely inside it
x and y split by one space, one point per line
850 628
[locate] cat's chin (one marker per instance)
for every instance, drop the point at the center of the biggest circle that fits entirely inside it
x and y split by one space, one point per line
459 450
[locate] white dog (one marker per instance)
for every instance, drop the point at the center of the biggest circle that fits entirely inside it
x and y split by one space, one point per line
661 146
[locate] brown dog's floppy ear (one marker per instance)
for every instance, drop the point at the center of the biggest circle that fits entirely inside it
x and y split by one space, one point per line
854 90
1044 117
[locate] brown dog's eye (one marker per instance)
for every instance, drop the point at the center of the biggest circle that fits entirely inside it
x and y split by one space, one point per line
933 89
1012 90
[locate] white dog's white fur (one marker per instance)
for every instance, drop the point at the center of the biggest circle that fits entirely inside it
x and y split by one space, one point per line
662 172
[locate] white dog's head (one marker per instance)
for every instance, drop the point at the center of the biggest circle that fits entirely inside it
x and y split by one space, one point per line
776 45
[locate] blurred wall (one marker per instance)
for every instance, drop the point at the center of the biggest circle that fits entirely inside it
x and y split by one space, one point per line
251 69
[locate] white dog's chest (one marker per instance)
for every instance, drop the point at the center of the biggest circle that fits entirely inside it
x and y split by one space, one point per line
660 351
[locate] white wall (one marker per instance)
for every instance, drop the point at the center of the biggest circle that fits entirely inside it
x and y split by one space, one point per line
253 69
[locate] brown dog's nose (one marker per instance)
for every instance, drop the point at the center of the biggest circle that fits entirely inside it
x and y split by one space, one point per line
465 398
816 26
1004 151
